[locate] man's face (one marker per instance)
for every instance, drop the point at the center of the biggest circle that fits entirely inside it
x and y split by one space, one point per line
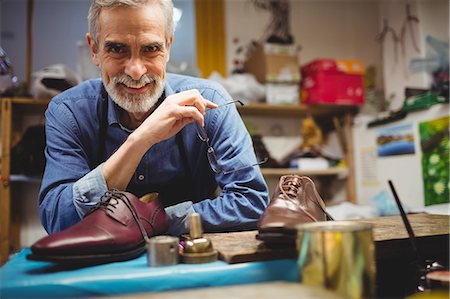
132 53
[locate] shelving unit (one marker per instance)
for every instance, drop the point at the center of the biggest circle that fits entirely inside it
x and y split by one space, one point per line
262 109
277 172
12 108
317 111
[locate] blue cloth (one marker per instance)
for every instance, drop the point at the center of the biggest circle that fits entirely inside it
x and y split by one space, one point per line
73 182
21 278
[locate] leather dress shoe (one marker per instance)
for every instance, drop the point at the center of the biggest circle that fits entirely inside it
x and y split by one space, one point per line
294 201
116 229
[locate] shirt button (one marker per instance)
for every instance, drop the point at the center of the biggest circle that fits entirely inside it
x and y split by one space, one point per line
141 177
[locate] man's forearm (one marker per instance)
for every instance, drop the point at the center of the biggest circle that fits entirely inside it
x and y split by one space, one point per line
120 167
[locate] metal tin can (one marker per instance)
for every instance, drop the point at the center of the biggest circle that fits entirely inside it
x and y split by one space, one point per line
162 251
337 255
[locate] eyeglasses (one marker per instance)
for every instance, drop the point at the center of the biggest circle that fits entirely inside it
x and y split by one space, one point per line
211 154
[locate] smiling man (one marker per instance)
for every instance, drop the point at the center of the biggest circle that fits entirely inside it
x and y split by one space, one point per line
141 130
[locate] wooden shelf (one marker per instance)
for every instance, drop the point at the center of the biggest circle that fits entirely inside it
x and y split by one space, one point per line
25 105
301 110
276 172
30 101
12 108
20 178
327 116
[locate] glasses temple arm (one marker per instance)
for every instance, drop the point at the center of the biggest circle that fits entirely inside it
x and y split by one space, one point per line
244 167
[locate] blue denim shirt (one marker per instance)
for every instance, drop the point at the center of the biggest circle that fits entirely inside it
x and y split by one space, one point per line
73 182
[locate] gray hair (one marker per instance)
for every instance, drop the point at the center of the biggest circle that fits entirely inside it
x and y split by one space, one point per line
98 5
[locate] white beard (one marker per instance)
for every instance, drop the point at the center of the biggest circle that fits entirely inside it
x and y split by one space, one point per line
140 103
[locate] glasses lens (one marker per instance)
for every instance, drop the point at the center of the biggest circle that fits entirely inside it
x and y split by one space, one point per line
213 160
201 133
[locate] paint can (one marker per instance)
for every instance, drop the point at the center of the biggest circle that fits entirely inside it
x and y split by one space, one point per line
339 256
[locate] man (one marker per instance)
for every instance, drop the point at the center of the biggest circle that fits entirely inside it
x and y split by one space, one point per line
148 131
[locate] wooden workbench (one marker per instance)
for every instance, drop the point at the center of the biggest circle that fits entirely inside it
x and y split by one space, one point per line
396 270
389 233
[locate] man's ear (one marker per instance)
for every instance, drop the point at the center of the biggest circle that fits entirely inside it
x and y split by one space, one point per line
93 49
169 44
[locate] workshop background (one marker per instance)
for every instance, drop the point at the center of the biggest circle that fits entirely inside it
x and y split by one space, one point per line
401 45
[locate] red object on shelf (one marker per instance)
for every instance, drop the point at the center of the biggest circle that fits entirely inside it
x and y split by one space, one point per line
333 81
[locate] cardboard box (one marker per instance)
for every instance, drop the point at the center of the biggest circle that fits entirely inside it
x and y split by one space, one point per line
282 93
273 63
330 81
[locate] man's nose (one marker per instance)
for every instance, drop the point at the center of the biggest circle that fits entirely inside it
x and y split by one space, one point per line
135 68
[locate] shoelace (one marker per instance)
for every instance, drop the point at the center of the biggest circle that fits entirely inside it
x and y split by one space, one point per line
110 200
289 187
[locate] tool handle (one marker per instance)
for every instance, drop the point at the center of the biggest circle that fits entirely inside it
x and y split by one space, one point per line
406 222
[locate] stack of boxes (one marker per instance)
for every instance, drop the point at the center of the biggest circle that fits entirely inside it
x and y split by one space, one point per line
323 81
332 81
277 66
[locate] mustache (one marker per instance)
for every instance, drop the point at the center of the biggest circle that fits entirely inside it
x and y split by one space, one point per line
130 82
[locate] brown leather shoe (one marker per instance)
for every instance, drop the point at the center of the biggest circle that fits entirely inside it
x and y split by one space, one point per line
294 201
115 230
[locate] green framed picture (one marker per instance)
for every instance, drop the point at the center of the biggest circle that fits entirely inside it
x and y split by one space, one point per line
434 141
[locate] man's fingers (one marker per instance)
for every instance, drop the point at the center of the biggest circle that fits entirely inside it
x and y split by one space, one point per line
190 112
193 97
188 104
186 121
211 105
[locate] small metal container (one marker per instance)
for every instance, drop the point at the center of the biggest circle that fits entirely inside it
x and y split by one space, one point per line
339 256
162 251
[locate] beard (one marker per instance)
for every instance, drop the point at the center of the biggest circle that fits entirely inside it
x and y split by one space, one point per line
135 103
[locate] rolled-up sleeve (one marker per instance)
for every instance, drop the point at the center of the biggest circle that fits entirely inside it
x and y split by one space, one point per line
88 190
178 217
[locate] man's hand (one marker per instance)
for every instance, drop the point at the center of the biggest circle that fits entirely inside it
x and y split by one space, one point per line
175 112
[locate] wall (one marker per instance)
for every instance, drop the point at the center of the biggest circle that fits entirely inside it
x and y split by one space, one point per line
405 171
343 29
51 43
433 20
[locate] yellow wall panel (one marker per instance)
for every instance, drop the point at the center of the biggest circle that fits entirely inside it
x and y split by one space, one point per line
210 34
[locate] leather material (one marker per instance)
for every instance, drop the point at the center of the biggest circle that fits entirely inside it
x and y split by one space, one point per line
119 226
294 201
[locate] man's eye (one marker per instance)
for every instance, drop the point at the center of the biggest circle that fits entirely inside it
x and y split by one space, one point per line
152 48
115 49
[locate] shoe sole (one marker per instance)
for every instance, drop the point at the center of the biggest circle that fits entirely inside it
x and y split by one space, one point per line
277 239
89 259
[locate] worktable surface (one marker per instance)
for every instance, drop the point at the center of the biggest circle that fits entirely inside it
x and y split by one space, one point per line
389 234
